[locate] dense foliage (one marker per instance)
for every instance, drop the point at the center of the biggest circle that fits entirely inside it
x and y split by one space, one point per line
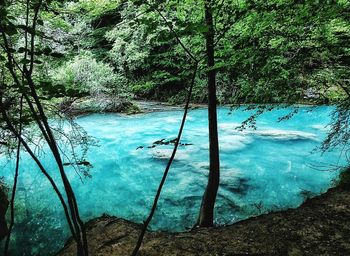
264 49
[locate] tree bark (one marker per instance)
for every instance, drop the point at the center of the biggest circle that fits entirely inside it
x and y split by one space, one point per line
206 218
4 203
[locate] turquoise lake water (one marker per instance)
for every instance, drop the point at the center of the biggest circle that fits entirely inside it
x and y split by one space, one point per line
268 169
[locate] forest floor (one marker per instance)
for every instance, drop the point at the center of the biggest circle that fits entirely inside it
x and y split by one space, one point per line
321 226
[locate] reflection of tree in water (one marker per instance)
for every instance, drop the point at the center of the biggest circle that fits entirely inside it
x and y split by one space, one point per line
39 229
38 223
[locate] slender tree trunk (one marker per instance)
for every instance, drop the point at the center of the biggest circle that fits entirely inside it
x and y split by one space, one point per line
207 208
15 181
4 203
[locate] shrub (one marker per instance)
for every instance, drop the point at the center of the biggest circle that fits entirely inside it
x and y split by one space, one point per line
88 75
143 88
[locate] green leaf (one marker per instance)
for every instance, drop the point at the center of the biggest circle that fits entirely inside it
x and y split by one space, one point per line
24 61
27 29
10 30
38 62
45 84
47 50
56 55
203 29
3 13
38 53
8 65
22 50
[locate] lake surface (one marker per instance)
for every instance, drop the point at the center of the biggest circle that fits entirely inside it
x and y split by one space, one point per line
271 168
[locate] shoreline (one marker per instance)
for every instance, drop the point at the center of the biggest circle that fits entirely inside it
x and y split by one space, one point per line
320 226
135 107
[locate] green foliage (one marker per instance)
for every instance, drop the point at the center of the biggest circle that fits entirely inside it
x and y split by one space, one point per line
144 89
130 47
279 50
266 51
96 8
86 74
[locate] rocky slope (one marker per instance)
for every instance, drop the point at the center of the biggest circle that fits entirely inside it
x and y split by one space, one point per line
321 226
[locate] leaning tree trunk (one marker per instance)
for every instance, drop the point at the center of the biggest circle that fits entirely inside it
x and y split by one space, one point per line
207 208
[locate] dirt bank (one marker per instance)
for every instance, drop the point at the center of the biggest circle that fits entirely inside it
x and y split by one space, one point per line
321 226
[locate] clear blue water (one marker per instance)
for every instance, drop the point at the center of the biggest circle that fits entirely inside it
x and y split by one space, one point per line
268 169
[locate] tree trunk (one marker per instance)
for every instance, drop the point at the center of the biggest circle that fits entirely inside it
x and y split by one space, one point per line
207 208
4 203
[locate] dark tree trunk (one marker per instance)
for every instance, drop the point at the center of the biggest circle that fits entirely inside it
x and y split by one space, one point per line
4 203
207 208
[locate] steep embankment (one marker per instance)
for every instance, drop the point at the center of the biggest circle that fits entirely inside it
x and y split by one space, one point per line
321 226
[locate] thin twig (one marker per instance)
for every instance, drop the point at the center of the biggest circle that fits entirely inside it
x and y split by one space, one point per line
148 220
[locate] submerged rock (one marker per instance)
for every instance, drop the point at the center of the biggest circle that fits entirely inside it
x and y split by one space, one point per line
321 226
165 153
238 185
285 134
